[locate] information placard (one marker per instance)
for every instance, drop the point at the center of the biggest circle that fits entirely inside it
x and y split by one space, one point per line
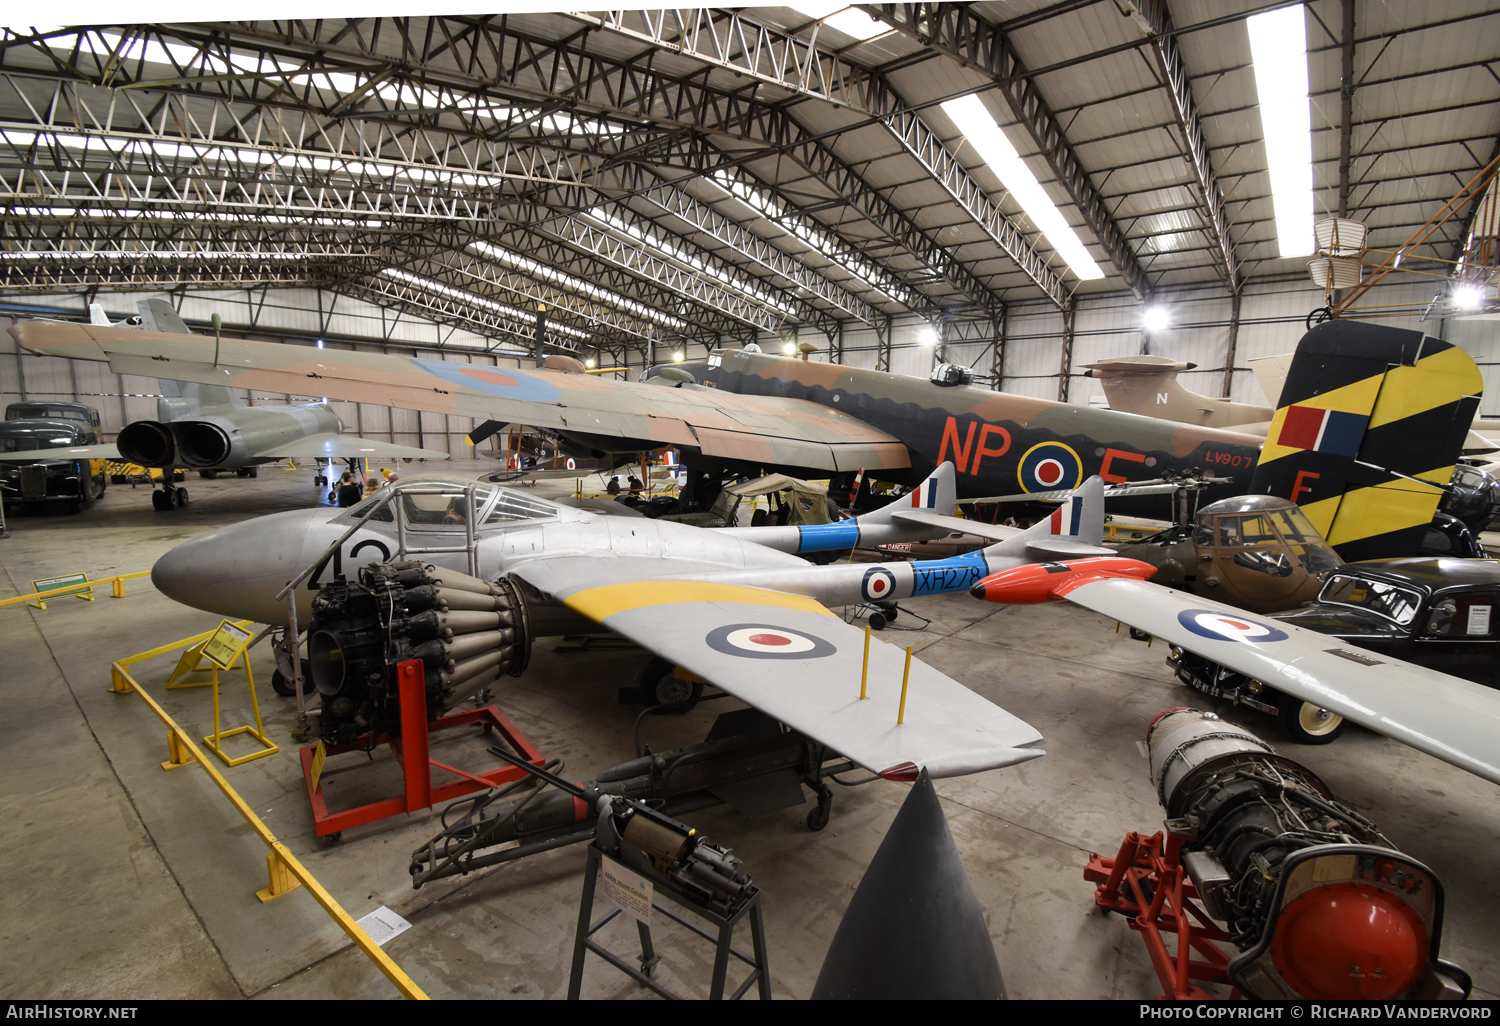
226 644
627 891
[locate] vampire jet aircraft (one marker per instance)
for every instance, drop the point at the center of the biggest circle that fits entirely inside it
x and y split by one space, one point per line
209 428
1361 439
750 619
1449 718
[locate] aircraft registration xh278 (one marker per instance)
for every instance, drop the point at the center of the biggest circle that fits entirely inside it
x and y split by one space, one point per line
752 620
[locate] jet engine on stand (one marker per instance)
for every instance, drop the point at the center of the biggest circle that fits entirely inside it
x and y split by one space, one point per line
1317 900
467 633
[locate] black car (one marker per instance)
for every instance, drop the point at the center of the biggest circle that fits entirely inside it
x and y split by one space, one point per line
1434 612
69 482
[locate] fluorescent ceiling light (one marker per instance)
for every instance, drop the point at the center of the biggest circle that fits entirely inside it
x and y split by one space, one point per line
979 129
1156 318
538 270
848 20
1278 46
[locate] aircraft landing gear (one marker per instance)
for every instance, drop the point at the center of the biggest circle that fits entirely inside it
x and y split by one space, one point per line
167 497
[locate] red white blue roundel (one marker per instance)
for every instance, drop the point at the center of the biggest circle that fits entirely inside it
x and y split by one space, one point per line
1228 627
879 583
764 641
1049 465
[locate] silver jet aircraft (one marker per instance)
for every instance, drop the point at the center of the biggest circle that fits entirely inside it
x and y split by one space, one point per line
714 605
209 428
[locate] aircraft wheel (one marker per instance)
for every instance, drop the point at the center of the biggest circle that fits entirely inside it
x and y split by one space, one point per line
158 500
890 611
208 475
284 688
252 471
1307 724
182 497
660 686
877 621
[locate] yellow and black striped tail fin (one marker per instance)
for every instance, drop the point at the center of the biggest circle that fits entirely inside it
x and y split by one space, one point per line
1370 423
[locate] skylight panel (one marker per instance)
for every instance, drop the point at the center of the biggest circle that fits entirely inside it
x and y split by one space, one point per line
980 131
1278 46
849 20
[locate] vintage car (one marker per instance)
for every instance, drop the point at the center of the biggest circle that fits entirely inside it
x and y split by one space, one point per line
41 426
1435 612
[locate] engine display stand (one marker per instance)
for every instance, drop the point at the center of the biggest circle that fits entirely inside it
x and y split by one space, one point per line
723 940
1146 883
412 748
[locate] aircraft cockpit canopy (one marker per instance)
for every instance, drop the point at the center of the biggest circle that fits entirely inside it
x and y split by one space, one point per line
1267 530
449 509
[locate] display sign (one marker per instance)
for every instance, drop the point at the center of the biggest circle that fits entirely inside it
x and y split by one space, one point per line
319 758
54 586
226 644
1479 619
627 891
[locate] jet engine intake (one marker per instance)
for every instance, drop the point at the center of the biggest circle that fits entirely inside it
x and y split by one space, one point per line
1321 904
147 444
465 631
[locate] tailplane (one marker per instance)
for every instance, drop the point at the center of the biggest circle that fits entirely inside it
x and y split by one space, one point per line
1148 386
1369 425
938 494
1074 530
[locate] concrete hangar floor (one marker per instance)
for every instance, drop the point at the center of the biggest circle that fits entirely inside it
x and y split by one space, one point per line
126 881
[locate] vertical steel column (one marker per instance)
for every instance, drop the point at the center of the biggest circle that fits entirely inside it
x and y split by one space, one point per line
883 343
997 354
1066 370
1346 106
1234 340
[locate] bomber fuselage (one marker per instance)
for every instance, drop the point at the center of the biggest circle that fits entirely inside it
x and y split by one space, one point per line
1000 444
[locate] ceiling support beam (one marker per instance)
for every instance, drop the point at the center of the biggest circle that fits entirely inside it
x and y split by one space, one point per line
1065 372
1154 18
726 39
959 33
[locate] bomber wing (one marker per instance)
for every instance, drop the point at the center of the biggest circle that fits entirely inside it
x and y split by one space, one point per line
1452 719
792 658
72 452
336 446
767 429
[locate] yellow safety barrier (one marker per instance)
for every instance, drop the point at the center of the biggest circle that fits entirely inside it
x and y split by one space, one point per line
285 873
37 599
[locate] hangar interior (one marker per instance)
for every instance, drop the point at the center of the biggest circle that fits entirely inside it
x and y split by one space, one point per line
1021 188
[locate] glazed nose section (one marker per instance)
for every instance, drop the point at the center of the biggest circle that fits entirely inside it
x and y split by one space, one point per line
237 571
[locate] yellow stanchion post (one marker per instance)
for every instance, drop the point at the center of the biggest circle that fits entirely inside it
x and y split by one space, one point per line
905 676
280 876
864 675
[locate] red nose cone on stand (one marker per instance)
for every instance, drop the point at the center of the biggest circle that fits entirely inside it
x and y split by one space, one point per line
1347 942
1048 582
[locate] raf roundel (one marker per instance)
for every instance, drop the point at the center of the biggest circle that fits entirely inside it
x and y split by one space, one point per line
1049 465
766 641
878 584
1207 623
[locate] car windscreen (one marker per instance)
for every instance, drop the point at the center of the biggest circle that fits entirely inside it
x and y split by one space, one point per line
26 441
1387 600
43 411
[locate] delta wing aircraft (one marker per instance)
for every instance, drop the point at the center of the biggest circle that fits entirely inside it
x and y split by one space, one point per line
1451 719
209 428
713 604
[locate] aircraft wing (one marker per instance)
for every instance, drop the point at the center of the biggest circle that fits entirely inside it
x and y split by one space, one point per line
72 452
768 429
793 659
336 446
1449 718
994 532
1114 491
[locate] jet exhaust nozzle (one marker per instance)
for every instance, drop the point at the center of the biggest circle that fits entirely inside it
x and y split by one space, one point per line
147 444
202 444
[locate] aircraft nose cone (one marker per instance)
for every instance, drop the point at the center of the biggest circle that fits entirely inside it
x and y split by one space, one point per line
237 571
978 590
